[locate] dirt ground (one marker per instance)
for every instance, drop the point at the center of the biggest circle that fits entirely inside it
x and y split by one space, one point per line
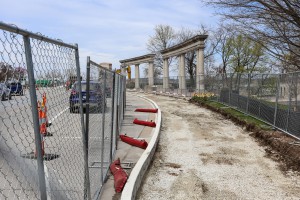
203 155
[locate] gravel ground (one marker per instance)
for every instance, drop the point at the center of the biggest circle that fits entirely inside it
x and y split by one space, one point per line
202 155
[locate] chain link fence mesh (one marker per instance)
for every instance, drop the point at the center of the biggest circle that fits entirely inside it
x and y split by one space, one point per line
272 98
42 132
18 177
53 64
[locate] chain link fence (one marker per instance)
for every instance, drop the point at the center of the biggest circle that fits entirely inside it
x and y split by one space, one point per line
272 98
45 151
104 109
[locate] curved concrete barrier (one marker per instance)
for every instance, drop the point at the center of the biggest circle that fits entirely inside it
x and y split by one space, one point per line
139 170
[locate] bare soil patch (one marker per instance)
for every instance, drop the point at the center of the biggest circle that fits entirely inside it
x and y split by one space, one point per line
204 155
279 146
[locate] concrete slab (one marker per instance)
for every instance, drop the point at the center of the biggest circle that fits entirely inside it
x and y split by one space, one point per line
128 153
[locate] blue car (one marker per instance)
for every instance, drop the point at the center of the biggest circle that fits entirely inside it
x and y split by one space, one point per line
95 100
16 88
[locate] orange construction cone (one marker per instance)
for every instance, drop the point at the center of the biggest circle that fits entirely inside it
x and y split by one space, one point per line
44 97
43 133
43 124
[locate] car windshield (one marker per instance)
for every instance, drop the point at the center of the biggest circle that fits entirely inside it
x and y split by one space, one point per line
93 86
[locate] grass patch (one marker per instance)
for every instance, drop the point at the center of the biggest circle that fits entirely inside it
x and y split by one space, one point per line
237 116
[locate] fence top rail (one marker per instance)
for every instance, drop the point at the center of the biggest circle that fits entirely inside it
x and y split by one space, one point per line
259 74
15 29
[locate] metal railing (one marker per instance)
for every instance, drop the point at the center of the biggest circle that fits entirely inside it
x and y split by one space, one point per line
272 98
45 152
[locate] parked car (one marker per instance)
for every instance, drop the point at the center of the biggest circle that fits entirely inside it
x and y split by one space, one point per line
16 88
95 100
4 92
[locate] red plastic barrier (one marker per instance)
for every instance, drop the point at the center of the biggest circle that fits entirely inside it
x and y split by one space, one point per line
120 176
152 110
134 142
145 123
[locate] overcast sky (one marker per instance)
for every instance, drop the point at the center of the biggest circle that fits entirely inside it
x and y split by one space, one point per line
108 31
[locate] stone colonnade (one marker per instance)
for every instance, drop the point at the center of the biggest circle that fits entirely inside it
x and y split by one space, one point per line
149 58
195 43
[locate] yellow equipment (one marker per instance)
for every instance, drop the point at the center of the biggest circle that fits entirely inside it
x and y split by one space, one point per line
128 70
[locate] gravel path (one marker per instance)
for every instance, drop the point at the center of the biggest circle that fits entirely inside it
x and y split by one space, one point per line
202 155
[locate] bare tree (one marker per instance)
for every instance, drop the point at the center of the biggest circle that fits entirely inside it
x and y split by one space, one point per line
211 44
275 24
6 72
163 38
190 57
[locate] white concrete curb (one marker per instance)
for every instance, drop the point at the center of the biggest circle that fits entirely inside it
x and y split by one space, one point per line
139 170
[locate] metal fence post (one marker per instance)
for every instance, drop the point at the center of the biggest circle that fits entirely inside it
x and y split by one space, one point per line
124 97
248 96
87 109
290 101
259 93
112 118
103 125
36 126
87 192
230 90
277 97
87 121
117 111
121 97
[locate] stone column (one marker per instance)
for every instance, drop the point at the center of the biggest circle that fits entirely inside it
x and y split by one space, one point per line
182 81
151 74
165 75
200 71
137 76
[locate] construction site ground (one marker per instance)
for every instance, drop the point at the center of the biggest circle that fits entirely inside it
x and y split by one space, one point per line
203 155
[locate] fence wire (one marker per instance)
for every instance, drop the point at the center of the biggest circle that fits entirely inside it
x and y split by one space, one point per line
44 147
18 177
272 98
52 64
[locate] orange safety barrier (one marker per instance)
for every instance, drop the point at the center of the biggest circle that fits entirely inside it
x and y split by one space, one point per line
145 123
43 119
44 97
43 133
43 129
152 110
